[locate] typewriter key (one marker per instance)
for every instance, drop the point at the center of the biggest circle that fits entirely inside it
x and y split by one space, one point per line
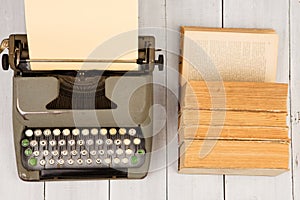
56 132
103 131
76 132
137 141
29 133
85 132
90 142
117 160
101 152
126 142
55 153
43 143
98 161
51 161
32 162
74 152
80 142
45 153
118 142
47 132
110 152
128 151
36 153
53 143
33 143
94 131
122 131
113 131
93 152
79 161
107 160
62 142
141 152
61 161
134 160
66 132
64 153
25 143
99 142
71 142
89 161
42 162
28 152
125 160
38 132
132 132
119 151
70 161
84 152
109 142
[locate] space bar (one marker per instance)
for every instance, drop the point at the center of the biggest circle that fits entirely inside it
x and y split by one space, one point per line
82 173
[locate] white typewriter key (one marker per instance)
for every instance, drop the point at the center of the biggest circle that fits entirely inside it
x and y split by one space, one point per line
43 143
126 142
74 152
36 153
110 152
109 142
94 131
117 160
125 160
70 161
33 143
66 132
93 152
51 161
101 152
85 132
38 132
64 153
90 142
61 161
84 152
132 132
29 133
122 131
56 132
128 151
112 131
71 142
62 142
76 132
47 132
42 162
45 153
89 161
79 161
80 142
119 151
107 160
98 161
99 142
118 142
54 153
137 141
103 131
52 143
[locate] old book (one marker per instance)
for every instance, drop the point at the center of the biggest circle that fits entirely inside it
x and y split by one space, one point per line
234 157
243 96
215 54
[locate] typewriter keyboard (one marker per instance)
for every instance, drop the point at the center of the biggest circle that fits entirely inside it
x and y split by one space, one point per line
82 148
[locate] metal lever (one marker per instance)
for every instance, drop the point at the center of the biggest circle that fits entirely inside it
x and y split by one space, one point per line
4 45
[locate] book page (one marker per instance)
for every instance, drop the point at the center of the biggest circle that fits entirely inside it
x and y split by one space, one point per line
94 29
229 56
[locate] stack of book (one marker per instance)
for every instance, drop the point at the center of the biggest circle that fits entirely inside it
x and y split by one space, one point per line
233 126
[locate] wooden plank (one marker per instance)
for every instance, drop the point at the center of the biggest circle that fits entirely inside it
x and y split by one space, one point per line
295 94
11 187
242 96
152 22
232 118
186 13
261 14
234 157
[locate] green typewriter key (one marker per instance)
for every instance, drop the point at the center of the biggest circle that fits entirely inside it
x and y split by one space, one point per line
25 143
28 152
141 152
32 162
134 160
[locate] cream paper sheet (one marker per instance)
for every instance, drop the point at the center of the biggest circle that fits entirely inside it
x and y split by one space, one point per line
73 29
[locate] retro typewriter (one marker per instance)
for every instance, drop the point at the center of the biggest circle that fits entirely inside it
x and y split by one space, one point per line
55 132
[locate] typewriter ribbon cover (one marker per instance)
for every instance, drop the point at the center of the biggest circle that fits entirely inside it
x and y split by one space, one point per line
82 30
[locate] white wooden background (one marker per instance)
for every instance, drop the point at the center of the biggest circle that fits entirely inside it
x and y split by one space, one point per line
163 182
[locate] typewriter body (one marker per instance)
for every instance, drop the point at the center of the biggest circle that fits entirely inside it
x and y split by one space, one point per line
81 124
